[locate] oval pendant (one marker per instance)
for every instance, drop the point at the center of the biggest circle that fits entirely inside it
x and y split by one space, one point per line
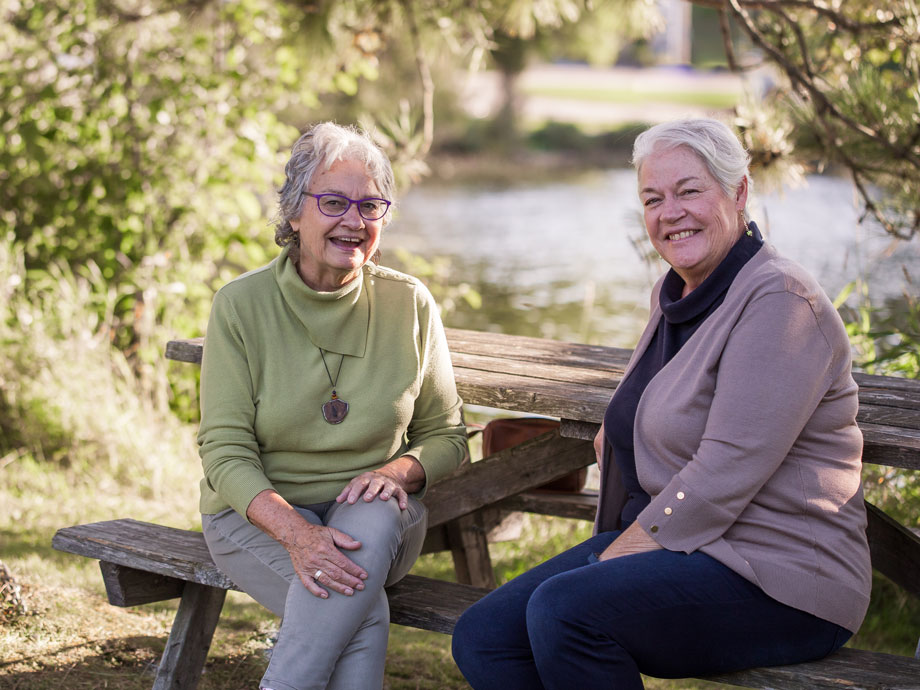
335 410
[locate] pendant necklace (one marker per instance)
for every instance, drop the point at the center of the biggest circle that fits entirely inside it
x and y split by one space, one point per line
335 410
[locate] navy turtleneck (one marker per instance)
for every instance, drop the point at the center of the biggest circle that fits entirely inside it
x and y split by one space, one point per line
680 318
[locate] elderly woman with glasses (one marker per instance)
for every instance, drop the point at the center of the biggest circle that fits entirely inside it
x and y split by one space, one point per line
328 405
730 530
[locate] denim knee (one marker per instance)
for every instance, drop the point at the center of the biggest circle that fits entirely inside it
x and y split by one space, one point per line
548 615
469 638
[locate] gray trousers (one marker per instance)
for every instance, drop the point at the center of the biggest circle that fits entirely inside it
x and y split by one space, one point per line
337 643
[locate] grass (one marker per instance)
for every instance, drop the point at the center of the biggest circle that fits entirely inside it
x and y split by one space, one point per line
705 99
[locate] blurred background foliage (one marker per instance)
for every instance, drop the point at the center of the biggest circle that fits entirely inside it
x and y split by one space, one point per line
142 141
846 93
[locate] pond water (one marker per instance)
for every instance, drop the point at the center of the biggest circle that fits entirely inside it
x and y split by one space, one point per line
564 259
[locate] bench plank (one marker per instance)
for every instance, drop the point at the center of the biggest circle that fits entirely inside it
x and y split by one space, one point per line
181 556
580 506
418 602
845 669
167 551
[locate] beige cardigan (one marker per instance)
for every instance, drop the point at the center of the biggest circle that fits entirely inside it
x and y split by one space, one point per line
748 445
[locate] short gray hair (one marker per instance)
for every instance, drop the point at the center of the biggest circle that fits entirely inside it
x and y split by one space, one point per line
712 141
324 144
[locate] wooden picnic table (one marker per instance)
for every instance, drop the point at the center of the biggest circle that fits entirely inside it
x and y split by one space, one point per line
574 382
530 376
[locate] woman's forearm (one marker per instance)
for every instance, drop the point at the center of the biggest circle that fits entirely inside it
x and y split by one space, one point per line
407 471
276 517
315 549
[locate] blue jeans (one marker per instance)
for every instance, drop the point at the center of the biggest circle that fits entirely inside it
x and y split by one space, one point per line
575 622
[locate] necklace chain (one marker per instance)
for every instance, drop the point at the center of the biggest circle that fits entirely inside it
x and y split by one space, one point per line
333 383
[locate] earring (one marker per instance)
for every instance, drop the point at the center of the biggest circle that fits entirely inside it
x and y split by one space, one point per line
747 228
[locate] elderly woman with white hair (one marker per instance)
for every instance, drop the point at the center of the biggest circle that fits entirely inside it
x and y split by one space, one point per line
328 405
730 530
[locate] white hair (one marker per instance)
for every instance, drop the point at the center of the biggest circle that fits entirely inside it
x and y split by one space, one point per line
712 141
326 143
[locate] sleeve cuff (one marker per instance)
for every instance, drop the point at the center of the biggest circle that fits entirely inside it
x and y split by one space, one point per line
681 520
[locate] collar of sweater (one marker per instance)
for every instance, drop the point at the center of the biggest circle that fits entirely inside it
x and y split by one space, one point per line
336 321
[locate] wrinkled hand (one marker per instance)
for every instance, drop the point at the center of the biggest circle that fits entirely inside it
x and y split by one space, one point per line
316 547
633 540
383 483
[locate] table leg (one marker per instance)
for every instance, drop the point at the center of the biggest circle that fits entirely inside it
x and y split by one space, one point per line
190 637
469 546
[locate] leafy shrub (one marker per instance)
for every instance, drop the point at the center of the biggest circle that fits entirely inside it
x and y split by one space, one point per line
69 398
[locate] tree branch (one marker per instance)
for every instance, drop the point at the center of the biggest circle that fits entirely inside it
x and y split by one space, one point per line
725 28
848 128
810 89
424 73
839 19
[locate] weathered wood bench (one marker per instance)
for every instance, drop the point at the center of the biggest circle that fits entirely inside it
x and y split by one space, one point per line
142 563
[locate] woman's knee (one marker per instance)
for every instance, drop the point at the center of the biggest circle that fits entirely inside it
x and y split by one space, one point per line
481 628
374 519
471 631
557 609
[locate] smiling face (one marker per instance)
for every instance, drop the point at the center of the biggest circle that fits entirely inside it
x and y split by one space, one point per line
690 220
333 250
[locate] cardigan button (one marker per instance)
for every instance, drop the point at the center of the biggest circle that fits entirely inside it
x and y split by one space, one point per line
680 495
653 529
668 511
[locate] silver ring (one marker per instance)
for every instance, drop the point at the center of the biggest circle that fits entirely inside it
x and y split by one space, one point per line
317 575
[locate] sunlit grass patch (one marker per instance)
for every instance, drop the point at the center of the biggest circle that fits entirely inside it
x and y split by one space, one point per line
421 659
690 97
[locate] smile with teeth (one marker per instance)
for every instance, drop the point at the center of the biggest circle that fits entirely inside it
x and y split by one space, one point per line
347 241
682 235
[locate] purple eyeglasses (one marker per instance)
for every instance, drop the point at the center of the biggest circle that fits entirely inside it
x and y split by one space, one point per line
335 205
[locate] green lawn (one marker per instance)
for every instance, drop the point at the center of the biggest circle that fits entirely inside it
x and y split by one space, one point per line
706 99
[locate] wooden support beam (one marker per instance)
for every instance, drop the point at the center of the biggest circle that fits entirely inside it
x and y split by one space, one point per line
190 637
516 469
895 550
131 587
469 546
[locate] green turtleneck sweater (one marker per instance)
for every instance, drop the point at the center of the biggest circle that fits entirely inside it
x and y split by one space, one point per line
263 385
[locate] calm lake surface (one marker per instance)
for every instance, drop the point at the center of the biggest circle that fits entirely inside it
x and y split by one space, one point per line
564 259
